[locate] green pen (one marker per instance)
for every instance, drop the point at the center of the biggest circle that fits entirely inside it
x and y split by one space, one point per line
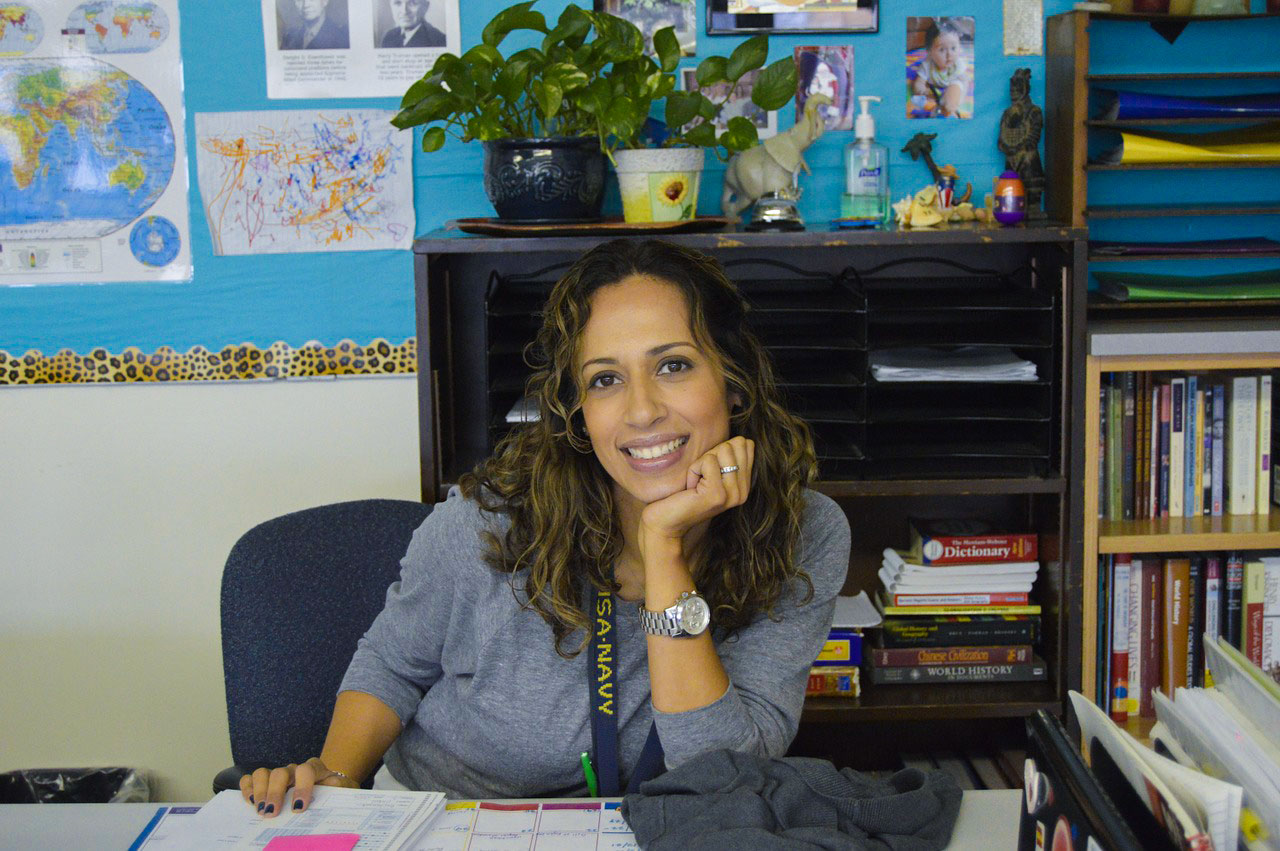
588 772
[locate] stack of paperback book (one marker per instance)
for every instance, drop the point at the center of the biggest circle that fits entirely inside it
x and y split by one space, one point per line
957 607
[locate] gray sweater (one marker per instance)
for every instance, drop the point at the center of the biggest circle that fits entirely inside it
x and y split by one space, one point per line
726 801
491 711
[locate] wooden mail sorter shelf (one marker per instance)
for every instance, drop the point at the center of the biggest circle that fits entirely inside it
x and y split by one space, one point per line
824 304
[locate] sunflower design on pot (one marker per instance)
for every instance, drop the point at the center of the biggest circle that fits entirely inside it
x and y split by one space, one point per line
672 194
672 191
659 185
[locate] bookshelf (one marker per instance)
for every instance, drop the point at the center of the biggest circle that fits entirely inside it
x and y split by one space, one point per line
885 452
1189 347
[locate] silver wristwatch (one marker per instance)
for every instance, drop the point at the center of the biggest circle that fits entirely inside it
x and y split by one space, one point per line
689 616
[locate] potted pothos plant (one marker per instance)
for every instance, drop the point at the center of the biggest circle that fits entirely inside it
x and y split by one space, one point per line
550 113
543 133
659 168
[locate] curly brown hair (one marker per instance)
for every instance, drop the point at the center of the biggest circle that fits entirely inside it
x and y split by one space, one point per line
544 477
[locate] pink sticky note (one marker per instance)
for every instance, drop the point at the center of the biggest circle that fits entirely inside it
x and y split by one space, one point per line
319 842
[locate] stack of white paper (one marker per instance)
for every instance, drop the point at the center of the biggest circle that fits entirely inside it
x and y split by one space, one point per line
387 821
962 363
1190 805
900 576
1231 732
855 612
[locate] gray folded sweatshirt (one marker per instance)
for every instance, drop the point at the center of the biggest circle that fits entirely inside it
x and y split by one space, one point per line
737 801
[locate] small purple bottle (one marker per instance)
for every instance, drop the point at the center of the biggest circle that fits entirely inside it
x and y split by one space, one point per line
1010 200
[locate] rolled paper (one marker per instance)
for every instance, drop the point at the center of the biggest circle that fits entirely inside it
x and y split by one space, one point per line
1260 143
1141 286
1129 106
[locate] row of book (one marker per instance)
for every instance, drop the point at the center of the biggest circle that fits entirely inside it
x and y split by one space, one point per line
1155 610
957 607
1184 445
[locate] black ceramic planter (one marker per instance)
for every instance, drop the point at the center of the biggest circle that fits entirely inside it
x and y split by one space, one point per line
545 180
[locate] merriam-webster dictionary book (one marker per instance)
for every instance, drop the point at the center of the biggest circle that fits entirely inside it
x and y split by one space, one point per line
969 541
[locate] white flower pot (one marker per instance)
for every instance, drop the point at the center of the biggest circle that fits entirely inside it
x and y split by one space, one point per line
659 184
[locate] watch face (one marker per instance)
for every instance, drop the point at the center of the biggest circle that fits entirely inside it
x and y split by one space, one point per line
694 615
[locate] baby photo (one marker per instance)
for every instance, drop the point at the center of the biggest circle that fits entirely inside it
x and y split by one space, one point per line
940 67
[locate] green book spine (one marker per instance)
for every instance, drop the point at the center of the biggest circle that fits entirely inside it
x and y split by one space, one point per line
1115 453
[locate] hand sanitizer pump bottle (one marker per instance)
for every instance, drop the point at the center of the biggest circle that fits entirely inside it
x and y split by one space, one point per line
866 172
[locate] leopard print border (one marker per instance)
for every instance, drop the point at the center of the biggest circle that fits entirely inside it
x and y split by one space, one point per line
242 362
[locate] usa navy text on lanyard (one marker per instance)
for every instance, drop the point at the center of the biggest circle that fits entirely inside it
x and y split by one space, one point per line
603 682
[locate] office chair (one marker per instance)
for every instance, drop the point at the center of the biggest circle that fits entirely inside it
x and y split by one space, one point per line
297 593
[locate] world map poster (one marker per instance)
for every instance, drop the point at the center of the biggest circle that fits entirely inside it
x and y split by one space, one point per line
93 172
279 181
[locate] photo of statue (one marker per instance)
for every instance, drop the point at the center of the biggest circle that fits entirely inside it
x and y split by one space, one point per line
1019 141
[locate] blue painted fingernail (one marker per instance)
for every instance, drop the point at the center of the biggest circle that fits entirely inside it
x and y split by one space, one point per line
251 799
271 808
297 805
261 804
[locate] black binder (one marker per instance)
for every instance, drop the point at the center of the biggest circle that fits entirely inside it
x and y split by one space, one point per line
1064 808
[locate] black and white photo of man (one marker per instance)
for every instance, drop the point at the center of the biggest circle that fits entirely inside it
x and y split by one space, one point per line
409 25
313 24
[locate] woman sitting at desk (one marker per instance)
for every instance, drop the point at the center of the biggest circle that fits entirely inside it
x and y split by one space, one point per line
644 563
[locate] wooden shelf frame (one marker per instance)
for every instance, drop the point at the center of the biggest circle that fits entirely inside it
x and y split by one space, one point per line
926 702
1138 123
1203 255
1156 211
1182 166
1068 84
1179 534
1181 76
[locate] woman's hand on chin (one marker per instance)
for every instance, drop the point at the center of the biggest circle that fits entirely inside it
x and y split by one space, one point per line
707 492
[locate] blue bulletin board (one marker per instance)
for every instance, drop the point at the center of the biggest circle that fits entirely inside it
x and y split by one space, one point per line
251 306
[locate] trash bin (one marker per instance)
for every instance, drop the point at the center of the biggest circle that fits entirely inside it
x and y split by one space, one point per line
74 786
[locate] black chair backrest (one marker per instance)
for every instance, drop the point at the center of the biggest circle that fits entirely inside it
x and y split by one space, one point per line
297 593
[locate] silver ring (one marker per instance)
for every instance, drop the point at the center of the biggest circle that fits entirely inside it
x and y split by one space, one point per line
732 468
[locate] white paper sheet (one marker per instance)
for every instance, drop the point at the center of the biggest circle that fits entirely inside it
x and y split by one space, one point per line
282 181
384 820
356 50
1023 27
545 826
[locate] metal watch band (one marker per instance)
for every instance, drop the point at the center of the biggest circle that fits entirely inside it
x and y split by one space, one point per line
665 622
668 622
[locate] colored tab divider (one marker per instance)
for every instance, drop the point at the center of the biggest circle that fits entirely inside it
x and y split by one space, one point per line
533 824
506 818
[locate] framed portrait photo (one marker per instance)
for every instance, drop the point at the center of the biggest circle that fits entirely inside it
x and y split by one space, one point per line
792 16
739 102
652 15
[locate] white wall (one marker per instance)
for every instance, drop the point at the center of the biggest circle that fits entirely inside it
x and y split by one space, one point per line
118 505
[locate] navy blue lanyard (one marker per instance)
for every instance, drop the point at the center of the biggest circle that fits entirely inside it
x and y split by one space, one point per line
603 684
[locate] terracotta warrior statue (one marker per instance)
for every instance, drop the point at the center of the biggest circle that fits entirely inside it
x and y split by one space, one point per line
1020 128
